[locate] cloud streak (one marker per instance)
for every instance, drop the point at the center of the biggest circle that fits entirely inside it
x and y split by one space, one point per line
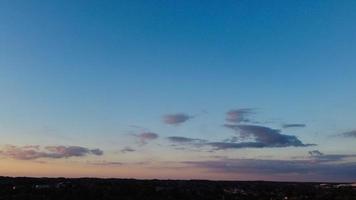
238 115
293 126
263 136
53 152
178 139
250 136
315 153
127 150
105 163
351 134
318 156
176 119
145 137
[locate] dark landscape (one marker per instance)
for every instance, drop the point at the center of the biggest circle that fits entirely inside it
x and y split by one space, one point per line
132 189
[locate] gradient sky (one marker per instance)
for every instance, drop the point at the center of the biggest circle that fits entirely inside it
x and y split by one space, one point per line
257 90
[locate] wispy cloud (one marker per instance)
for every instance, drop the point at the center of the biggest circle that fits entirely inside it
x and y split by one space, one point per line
31 147
238 115
127 149
145 137
250 136
294 125
105 163
54 152
176 119
349 134
315 153
178 139
232 145
263 136
254 136
69 151
115 163
318 156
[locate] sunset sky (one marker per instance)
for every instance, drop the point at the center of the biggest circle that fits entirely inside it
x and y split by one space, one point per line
222 90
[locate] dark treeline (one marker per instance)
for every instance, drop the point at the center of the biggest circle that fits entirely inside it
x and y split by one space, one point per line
131 189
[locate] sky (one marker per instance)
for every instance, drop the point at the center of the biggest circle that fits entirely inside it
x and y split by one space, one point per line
220 90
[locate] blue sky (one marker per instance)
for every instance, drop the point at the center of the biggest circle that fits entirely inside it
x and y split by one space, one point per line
97 74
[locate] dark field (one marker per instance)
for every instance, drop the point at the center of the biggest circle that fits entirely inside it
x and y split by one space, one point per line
130 189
